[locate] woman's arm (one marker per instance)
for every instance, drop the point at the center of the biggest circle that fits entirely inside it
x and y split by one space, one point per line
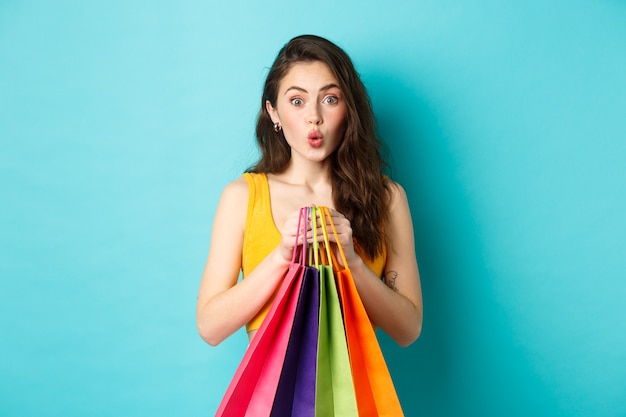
224 305
397 306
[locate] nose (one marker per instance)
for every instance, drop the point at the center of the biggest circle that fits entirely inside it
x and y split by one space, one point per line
315 115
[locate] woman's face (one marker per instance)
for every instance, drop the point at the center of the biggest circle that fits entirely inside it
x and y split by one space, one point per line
311 109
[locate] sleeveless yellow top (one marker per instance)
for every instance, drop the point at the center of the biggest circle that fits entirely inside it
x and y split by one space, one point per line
261 236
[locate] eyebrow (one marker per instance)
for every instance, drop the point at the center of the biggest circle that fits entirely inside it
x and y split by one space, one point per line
326 87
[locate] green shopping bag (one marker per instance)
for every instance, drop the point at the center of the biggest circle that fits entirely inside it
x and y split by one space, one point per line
335 395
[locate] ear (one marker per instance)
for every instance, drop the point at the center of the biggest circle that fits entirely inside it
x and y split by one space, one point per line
272 112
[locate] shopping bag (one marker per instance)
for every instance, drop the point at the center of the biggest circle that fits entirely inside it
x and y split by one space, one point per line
335 395
295 395
253 387
375 393
316 353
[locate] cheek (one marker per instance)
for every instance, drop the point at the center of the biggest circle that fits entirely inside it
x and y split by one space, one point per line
337 116
339 119
291 124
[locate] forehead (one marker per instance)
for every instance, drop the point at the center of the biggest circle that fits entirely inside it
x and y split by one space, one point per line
308 75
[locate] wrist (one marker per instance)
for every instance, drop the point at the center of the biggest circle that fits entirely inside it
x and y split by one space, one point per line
355 263
278 258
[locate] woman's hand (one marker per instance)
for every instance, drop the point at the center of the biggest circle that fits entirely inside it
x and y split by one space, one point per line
344 237
290 231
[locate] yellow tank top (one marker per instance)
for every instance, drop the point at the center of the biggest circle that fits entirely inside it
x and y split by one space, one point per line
261 236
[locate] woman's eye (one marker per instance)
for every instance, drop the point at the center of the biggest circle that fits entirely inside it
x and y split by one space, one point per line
296 101
331 100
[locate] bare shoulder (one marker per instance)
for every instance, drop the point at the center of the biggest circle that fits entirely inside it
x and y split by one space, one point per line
236 190
233 203
397 196
399 221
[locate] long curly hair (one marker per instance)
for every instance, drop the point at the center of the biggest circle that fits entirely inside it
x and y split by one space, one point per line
360 190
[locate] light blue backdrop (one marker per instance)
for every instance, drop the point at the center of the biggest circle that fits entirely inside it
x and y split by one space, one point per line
121 121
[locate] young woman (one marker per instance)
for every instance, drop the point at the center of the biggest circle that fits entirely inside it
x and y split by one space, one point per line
318 146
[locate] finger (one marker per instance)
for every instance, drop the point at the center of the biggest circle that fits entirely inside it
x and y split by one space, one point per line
335 214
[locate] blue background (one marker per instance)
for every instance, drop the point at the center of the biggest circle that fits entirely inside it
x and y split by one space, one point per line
121 121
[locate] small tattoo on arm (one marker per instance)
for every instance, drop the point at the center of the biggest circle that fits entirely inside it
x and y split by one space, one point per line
390 280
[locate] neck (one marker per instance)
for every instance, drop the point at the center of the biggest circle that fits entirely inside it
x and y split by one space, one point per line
307 173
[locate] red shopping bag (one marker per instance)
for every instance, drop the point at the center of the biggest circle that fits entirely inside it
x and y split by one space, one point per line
253 387
295 395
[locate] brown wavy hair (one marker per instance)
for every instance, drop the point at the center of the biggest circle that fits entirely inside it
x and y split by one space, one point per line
360 191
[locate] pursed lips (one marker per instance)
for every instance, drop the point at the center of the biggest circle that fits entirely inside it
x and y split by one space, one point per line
315 134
